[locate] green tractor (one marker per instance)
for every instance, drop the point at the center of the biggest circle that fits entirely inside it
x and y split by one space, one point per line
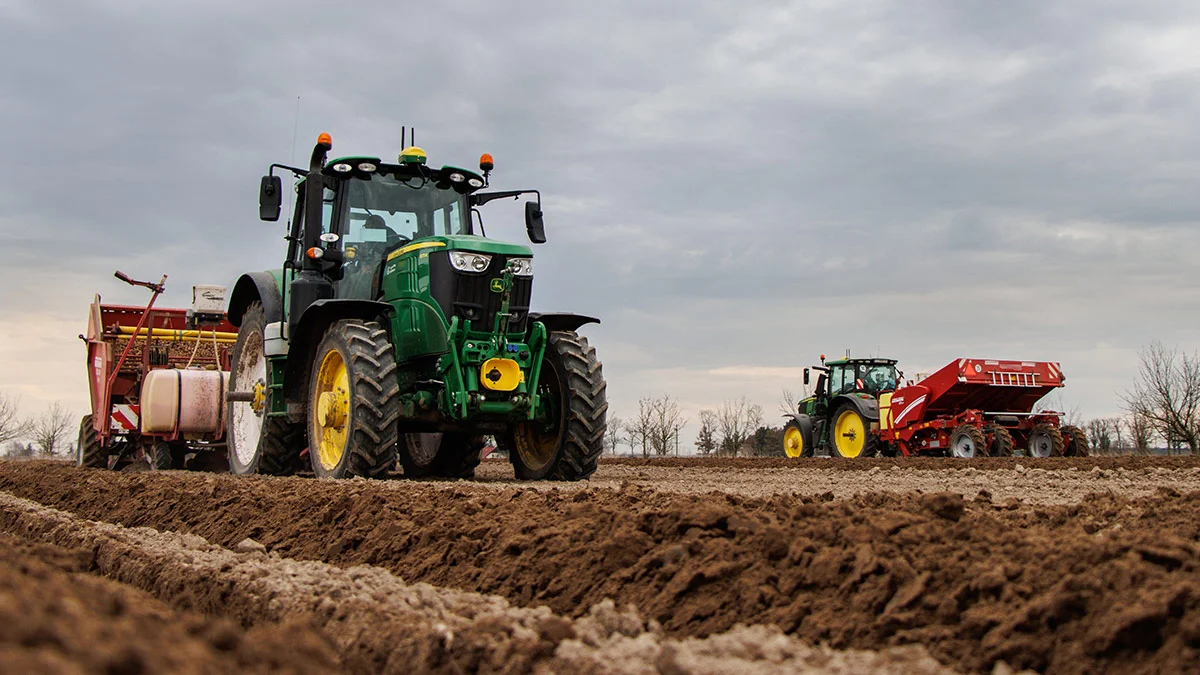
395 330
842 415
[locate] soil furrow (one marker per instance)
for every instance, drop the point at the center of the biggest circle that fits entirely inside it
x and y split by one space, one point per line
1111 583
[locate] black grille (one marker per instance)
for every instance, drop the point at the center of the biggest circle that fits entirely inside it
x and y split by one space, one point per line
468 295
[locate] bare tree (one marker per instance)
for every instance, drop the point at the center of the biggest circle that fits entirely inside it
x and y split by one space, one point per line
788 402
1099 432
1140 433
736 421
11 428
48 430
615 434
665 423
706 437
639 427
1166 394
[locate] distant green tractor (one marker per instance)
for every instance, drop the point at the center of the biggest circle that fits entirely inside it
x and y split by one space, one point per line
394 329
842 415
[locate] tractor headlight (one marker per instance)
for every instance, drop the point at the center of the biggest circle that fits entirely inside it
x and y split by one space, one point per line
521 267
470 262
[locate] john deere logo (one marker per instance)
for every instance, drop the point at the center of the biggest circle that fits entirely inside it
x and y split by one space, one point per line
498 286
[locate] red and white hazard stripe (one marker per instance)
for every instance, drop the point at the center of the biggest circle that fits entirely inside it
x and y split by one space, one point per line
125 417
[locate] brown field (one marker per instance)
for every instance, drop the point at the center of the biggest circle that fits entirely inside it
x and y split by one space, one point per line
655 566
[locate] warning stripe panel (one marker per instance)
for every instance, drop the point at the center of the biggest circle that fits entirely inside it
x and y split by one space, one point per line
125 417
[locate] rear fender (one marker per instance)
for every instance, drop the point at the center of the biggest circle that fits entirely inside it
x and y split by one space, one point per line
255 287
311 328
867 407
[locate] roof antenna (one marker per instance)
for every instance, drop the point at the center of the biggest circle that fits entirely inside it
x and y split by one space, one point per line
402 137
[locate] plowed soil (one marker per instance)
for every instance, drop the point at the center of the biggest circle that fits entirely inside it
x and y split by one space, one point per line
1108 582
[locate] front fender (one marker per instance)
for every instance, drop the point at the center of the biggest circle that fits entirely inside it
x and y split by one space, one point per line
312 325
562 321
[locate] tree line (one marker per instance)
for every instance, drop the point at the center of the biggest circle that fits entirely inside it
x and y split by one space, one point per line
44 435
734 428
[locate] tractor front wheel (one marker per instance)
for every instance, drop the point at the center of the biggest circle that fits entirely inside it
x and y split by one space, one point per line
796 443
1076 441
852 435
567 446
445 455
91 453
257 443
967 441
353 402
1046 441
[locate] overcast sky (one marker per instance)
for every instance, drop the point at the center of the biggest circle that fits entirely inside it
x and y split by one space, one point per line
734 188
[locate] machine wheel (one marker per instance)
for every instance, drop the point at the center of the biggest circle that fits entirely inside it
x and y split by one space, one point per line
353 402
90 453
1002 444
568 446
168 456
967 441
448 455
1076 441
1046 441
852 435
797 442
257 443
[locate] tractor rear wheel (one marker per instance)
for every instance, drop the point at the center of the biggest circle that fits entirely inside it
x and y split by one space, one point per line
1002 442
90 453
257 443
568 445
1046 441
1076 441
796 443
353 402
967 441
446 455
852 435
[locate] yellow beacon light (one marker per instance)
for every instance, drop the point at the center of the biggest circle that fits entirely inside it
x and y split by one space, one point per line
412 155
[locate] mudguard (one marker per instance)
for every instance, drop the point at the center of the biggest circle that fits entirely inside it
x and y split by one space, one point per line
562 320
255 286
867 407
311 327
805 424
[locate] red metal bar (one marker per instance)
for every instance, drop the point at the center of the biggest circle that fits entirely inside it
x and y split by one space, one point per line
158 289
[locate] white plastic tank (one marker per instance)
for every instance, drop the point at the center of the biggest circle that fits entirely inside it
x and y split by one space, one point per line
183 401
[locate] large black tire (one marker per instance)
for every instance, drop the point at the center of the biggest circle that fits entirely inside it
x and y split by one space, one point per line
797 439
848 425
967 442
1046 441
445 455
257 443
352 427
1002 443
1076 442
168 456
569 447
90 453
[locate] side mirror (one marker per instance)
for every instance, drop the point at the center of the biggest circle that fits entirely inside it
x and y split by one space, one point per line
534 224
806 376
270 198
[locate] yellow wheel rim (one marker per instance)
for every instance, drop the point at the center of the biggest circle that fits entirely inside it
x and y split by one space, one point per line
849 434
331 410
535 445
793 442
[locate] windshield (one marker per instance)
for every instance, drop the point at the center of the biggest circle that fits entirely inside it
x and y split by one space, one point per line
866 377
391 210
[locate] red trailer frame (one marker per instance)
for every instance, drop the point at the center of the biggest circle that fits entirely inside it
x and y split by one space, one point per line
995 397
124 343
